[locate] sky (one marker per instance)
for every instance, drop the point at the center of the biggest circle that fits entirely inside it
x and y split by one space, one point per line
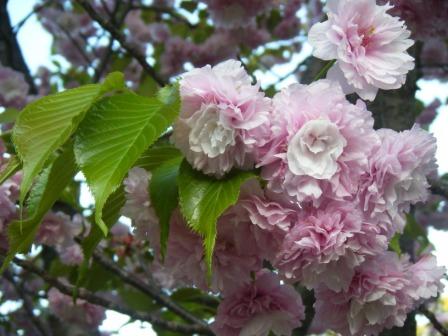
36 45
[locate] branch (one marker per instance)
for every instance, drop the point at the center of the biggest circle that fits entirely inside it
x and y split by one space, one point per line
27 305
36 10
117 35
100 301
150 290
107 55
433 319
10 52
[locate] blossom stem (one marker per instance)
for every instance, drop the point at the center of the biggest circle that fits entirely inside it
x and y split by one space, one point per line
434 321
324 70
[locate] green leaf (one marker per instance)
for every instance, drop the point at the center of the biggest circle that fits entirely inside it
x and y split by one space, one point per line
164 196
46 124
44 194
110 216
189 5
12 167
203 199
157 155
9 115
394 244
114 134
416 232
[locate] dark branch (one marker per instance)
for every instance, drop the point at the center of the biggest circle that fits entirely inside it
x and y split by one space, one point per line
36 10
117 35
432 318
10 52
27 305
100 301
148 289
117 20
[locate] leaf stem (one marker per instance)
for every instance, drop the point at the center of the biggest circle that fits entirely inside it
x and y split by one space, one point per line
324 70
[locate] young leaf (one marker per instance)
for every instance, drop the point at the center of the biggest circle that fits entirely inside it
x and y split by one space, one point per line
114 134
164 195
46 191
203 199
46 124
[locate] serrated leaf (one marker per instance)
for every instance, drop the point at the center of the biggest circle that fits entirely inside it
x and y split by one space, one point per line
164 196
46 124
44 194
114 134
12 167
203 199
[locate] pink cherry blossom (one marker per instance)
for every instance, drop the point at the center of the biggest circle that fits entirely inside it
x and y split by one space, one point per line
369 46
82 313
13 88
396 177
236 13
382 292
138 206
425 18
429 113
223 119
326 244
57 229
260 307
319 147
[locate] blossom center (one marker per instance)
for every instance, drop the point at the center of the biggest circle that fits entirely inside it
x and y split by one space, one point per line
209 134
315 148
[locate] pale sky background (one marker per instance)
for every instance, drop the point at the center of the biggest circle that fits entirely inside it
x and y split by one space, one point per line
36 44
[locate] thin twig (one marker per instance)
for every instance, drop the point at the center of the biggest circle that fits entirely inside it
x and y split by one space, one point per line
108 54
117 35
27 305
434 321
35 10
103 302
254 79
77 45
148 289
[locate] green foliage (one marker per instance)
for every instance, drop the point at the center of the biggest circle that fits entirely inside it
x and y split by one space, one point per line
46 191
46 124
394 244
110 216
9 115
203 199
414 231
114 134
11 168
164 195
154 156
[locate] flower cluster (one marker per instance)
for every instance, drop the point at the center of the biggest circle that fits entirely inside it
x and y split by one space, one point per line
82 314
58 230
336 192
